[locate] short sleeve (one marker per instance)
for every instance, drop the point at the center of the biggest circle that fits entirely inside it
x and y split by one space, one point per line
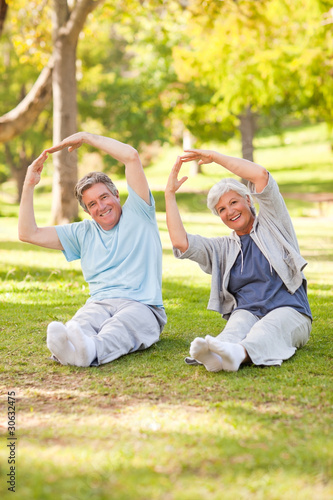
69 236
138 205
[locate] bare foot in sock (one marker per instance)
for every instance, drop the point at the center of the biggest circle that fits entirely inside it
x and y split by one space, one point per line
57 342
200 351
85 349
69 344
232 354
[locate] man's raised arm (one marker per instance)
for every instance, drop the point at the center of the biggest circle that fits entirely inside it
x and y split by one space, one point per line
122 152
27 228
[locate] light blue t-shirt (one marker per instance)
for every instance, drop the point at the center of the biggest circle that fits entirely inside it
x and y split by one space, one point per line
123 262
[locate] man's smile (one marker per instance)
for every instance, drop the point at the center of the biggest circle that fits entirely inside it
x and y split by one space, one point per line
105 213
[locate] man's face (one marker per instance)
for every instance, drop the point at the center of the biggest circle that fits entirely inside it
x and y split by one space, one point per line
103 206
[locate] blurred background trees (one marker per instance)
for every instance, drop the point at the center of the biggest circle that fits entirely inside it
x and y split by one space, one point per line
149 71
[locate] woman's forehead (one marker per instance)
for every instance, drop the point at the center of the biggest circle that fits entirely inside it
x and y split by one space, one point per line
229 195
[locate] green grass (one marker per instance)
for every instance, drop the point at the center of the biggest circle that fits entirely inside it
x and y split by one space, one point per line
147 426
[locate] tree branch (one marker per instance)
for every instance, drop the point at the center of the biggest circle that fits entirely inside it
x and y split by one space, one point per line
78 17
26 112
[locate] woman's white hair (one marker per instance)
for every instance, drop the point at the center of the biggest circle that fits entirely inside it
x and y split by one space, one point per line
224 186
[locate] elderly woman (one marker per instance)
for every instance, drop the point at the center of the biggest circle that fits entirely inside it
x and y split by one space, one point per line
257 280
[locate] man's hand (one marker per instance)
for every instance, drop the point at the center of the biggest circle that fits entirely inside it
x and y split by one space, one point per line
202 155
72 142
173 183
35 170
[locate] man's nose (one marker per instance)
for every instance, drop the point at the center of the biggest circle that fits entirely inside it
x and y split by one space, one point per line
101 205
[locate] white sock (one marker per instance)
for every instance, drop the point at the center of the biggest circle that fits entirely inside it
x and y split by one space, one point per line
57 342
85 348
69 344
200 351
232 354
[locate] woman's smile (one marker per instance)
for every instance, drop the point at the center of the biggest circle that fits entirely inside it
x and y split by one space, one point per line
235 212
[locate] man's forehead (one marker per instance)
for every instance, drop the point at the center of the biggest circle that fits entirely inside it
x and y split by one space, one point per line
97 189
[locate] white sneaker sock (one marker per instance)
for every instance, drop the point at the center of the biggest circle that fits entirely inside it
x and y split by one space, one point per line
70 345
232 354
85 348
57 342
200 351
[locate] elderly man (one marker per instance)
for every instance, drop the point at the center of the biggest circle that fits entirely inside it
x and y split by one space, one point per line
121 259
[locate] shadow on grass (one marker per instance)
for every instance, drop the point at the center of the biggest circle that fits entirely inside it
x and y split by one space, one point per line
162 454
25 274
22 247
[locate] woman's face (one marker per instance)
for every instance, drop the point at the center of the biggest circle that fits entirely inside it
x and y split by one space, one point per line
235 212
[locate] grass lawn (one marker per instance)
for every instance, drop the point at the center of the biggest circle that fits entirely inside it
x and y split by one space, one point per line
148 427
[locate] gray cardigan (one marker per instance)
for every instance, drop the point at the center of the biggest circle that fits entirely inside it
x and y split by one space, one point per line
273 233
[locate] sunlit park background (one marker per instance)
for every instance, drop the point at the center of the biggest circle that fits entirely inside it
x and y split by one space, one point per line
248 78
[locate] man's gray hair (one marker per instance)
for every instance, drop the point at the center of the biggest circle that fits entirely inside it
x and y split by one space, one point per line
224 186
90 180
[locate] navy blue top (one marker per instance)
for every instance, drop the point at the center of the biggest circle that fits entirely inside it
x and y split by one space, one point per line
258 288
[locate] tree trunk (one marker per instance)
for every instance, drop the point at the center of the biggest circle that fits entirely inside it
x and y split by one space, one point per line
3 12
188 138
18 169
247 130
67 27
64 204
19 176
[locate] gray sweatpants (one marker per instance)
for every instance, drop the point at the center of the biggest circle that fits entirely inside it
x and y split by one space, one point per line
120 326
271 339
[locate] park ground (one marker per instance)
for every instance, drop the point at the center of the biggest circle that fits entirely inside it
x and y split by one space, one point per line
148 427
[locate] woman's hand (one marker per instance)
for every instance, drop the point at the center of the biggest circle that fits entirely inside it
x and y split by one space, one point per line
176 229
173 183
200 155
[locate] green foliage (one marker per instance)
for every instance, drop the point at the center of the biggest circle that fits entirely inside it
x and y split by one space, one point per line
124 75
272 56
